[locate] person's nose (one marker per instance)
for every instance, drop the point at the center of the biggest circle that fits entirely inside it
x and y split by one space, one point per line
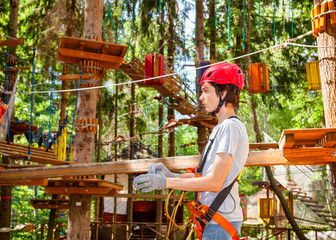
201 98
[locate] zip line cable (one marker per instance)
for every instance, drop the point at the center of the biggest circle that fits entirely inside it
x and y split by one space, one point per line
275 47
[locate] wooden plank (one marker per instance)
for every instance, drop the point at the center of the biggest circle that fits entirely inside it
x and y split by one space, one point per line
42 160
25 182
11 42
89 55
263 146
78 190
76 77
310 155
287 141
13 151
255 158
25 147
84 183
329 140
146 196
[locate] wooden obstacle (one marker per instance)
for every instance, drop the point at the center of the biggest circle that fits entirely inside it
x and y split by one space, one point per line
50 203
303 146
96 187
171 87
108 55
38 155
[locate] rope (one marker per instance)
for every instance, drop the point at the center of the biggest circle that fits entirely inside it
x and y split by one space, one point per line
274 22
195 22
155 129
244 26
52 83
122 19
111 20
129 39
282 45
184 26
31 102
259 14
104 29
216 13
229 13
292 24
74 117
8 134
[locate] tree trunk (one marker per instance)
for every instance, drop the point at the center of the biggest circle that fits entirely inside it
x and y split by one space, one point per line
201 130
6 191
212 17
171 51
248 62
327 62
84 145
69 30
288 214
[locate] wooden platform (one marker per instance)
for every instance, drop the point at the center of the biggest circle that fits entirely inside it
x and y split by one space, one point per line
38 155
172 86
95 187
71 50
309 145
50 203
11 42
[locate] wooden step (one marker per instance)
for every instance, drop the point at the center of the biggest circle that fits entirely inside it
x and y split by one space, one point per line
314 206
305 200
322 211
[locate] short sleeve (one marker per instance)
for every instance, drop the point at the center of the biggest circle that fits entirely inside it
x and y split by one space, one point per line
228 138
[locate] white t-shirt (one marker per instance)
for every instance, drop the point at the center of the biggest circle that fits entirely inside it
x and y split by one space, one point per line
230 137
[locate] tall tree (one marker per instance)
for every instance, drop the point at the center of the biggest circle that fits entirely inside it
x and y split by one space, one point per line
201 130
6 191
327 64
84 145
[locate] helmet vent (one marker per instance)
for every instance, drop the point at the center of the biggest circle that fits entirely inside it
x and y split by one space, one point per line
209 74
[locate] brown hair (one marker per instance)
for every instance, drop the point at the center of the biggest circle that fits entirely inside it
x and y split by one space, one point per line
233 99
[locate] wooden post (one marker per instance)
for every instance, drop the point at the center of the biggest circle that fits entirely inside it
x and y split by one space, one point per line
115 200
84 145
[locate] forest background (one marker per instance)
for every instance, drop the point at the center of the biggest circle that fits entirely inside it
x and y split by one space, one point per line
287 105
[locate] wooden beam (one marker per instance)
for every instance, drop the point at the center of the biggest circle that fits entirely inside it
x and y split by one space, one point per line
25 182
81 190
146 196
89 55
11 42
310 155
255 158
329 140
287 141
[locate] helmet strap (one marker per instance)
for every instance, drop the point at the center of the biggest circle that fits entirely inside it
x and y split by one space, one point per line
223 100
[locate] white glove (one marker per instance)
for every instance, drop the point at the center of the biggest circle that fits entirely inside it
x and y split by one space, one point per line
161 168
149 182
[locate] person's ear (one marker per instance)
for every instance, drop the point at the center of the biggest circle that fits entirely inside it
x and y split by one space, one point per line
223 94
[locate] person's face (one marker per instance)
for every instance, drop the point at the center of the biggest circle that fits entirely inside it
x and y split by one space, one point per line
209 97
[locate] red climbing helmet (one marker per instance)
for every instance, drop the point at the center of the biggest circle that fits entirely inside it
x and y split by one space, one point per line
224 73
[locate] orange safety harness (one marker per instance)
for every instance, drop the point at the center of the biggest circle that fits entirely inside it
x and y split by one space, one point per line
200 214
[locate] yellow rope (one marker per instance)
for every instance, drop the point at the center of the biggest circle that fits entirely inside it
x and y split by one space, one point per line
172 218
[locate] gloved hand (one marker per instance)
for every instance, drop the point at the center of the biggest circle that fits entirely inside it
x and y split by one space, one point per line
149 182
160 167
